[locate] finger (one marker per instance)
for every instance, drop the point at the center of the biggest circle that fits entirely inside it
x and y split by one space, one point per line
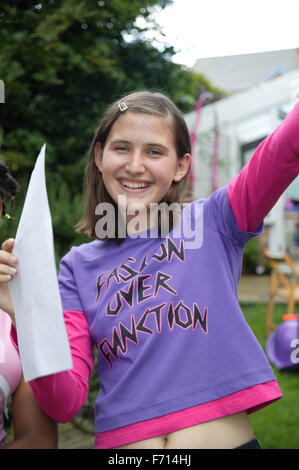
7 258
8 245
6 269
5 278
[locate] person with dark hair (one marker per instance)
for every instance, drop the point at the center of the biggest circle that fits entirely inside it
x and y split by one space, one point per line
33 429
178 366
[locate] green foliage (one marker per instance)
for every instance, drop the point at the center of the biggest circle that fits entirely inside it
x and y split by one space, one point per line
251 254
65 210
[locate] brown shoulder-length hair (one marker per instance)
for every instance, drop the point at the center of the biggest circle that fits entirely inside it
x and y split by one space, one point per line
148 102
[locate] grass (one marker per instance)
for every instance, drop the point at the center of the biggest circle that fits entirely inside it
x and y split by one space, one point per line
275 426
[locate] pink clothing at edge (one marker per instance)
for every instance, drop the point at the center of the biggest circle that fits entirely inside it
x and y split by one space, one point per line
252 193
10 368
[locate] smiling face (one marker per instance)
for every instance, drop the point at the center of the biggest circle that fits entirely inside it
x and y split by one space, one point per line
139 159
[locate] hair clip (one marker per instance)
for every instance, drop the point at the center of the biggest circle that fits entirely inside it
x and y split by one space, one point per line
122 106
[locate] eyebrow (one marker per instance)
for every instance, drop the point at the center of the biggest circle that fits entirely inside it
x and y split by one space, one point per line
119 141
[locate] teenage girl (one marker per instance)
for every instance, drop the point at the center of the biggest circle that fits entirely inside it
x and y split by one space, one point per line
33 429
178 365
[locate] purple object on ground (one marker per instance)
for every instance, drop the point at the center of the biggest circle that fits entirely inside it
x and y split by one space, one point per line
282 345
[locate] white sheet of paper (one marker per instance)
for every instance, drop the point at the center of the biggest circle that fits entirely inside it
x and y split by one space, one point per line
42 337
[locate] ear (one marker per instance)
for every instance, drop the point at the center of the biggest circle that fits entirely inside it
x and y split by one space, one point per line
182 167
98 154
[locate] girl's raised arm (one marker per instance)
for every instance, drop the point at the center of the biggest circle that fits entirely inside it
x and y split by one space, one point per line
274 165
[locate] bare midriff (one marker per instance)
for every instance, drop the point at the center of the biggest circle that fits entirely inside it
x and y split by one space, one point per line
223 433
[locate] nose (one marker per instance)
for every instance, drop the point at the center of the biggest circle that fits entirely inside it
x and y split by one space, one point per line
135 164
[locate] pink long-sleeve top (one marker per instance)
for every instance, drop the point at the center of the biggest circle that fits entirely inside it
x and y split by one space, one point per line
251 194
10 369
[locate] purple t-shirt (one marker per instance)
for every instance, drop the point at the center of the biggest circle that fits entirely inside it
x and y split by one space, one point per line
164 316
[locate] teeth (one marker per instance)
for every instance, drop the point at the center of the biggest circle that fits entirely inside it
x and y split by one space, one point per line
134 185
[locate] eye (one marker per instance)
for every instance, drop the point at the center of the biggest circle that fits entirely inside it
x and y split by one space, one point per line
121 148
154 152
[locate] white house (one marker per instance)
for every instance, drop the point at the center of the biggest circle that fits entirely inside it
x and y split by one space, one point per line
243 120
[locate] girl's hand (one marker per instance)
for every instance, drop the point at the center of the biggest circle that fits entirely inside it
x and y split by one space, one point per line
7 272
